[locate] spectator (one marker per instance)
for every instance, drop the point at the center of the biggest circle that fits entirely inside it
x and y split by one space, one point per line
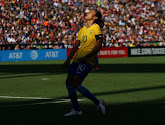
58 21
17 47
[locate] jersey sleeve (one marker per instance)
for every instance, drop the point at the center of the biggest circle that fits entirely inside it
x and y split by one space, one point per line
98 30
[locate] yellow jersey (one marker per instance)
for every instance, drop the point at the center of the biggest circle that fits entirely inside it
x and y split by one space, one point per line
88 42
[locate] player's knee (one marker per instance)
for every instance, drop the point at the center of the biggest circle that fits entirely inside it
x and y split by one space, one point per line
73 85
76 83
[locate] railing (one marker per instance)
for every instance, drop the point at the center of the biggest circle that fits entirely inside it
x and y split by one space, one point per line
58 46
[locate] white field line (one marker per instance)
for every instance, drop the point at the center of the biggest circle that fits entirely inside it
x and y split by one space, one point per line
15 97
39 103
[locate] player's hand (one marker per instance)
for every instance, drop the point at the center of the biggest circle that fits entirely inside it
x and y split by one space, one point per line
80 60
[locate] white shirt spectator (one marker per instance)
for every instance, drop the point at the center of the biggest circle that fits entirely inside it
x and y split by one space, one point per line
11 40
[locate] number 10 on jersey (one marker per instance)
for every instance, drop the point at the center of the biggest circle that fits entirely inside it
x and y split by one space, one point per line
84 38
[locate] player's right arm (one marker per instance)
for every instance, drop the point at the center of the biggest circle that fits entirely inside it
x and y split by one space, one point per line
73 51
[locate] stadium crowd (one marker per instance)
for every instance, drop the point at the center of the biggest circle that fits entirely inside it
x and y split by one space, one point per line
29 24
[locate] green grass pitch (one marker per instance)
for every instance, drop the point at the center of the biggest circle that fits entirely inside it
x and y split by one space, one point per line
133 89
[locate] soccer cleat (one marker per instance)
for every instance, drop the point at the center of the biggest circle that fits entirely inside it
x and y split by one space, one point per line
73 112
101 107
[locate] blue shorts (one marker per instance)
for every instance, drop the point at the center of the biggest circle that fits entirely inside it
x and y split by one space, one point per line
80 69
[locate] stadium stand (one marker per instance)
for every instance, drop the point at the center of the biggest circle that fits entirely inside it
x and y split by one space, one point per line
40 24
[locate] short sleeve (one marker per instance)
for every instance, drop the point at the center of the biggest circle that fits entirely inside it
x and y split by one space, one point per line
98 30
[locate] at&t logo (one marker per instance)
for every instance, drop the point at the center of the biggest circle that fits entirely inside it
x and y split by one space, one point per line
34 55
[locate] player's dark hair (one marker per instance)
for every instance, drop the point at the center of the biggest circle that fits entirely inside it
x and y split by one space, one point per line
99 21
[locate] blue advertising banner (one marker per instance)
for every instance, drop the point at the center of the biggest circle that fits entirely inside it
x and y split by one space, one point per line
32 55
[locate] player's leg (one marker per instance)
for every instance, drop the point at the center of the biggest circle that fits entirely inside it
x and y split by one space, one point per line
69 79
85 92
74 79
74 82
73 96
69 85
72 92
82 71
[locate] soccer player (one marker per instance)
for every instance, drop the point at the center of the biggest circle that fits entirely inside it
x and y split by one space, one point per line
90 41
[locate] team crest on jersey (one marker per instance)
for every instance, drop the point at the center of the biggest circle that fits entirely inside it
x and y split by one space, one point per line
90 32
